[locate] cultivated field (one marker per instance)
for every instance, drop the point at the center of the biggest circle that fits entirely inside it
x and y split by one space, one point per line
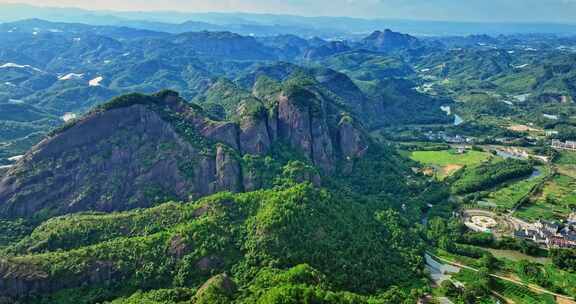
555 201
446 162
509 195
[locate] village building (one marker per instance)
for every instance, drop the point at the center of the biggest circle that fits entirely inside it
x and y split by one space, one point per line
568 145
460 149
572 218
512 152
549 234
452 139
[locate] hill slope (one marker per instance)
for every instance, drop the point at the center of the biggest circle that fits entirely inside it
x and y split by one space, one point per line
141 149
260 240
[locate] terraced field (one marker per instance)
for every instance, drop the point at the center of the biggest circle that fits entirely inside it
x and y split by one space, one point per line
558 196
520 294
563 279
513 292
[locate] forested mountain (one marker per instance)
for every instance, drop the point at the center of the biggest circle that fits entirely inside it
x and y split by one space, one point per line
204 162
388 41
287 137
63 70
169 149
288 244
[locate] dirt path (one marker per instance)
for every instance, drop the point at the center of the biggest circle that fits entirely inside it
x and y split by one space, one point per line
508 301
449 169
565 301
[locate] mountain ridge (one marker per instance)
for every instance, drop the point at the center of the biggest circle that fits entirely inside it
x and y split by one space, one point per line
267 24
191 155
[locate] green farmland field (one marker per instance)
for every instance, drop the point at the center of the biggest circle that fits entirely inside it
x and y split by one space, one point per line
449 157
448 161
556 200
508 196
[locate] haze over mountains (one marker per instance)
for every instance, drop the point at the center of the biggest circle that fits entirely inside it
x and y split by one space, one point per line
60 70
274 24
216 158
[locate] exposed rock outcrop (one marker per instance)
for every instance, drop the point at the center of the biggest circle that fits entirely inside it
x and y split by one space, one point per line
178 247
228 174
108 157
352 142
141 150
209 263
220 284
20 280
254 137
294 123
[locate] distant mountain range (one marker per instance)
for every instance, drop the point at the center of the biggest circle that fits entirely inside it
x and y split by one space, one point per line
223 160
271 24
274 142
54 71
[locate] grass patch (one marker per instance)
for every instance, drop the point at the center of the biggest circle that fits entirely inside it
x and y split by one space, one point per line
449 157
515 256
568 170
508 196
561 279
447 162
566 158
556 201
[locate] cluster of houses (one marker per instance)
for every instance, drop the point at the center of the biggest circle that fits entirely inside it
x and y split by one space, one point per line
550 234
568 145
518 153
453 139
512 152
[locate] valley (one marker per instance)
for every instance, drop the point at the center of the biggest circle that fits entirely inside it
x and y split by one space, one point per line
153 164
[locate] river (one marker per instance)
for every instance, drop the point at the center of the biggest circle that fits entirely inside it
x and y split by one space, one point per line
458 120
504 154
448 110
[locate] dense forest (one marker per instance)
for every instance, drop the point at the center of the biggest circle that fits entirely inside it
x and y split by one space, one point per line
200 163
293 242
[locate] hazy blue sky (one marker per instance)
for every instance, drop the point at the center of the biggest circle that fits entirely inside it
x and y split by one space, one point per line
471 10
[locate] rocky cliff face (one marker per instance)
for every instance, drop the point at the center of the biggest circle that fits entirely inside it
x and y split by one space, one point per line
304 126
351 140
140 150
254 135
20 280
113 160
